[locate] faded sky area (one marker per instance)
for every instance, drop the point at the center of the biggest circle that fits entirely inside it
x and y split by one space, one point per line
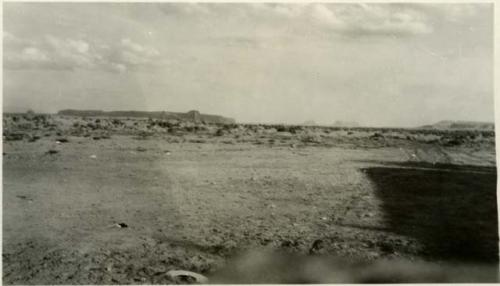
377 64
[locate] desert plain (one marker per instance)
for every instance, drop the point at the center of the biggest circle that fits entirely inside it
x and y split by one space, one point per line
101 200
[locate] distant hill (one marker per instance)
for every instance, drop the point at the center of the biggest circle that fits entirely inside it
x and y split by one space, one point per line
192 115
449 124
339 123
309 123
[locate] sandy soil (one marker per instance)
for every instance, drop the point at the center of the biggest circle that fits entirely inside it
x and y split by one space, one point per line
194 201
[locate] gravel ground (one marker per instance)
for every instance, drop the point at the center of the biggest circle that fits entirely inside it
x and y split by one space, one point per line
126 211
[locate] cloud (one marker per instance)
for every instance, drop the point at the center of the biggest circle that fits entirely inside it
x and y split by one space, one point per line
118 67
185 9
12 42
134 54
80 46
262 25
28 57
389 19
33 54
368 19
70 53
50 52
455 12
347 19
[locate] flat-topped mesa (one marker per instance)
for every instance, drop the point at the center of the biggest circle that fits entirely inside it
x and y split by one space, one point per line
193 115
460 125
340 123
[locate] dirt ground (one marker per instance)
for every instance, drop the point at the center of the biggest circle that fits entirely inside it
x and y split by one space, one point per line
108 206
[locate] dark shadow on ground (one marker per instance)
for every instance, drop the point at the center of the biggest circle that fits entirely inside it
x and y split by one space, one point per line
450 210
443 167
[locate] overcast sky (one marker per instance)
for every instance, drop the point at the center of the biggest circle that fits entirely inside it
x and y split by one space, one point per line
377 64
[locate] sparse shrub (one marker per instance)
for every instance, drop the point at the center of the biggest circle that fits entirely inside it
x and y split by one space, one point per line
40 119
219 132
488 133
201 128
452 142
376 136
33 138
311 139
163 124
26 126
294 129
143 135
228 127
281 128
15 136
190 128
117 122
198 141
174 140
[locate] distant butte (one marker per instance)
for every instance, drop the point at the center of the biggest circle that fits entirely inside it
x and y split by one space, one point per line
192 115
450 124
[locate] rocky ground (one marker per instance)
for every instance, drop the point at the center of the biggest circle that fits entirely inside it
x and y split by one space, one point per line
123 201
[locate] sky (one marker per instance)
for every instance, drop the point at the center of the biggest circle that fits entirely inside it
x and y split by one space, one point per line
375 64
